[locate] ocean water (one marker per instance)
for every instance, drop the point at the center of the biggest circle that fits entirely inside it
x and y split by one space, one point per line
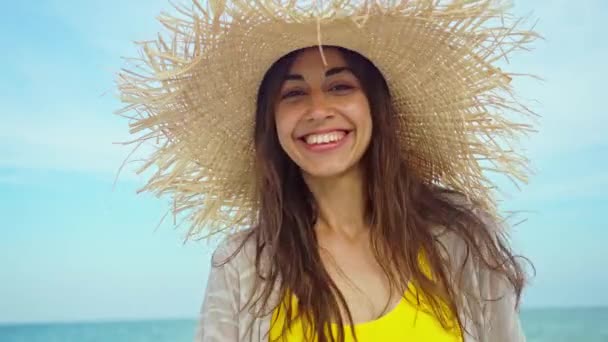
540 325
130 331
561 325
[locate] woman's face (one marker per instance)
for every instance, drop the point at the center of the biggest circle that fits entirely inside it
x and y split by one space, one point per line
322 115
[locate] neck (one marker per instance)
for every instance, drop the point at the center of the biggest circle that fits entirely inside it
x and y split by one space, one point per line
341 203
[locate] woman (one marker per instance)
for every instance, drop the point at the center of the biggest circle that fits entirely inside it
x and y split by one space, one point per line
363 210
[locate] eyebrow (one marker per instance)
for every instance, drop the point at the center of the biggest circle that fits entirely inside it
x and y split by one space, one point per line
330 72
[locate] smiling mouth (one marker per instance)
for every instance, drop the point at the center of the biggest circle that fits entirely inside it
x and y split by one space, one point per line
331 137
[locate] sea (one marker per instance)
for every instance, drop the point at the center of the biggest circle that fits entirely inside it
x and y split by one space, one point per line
540 325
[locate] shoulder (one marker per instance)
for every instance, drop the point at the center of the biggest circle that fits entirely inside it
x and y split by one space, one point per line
475 257
237 250
235 257
489 220
234 247
488 295
227 287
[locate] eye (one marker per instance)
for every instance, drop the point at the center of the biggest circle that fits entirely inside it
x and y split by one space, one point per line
292 93
340 88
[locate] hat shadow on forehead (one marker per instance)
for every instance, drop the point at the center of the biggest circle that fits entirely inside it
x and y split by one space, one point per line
195 93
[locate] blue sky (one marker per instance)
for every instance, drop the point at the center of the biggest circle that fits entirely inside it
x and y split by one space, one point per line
72 248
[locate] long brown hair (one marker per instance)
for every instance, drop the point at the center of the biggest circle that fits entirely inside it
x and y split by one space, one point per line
400 208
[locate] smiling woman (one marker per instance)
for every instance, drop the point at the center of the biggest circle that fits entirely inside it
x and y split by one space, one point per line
358 209
310 98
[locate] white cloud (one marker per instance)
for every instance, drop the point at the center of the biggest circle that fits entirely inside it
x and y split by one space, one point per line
83 144
58 117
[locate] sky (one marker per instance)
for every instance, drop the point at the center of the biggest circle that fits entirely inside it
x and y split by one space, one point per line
73 247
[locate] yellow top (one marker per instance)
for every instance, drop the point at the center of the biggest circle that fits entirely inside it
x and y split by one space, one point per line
408 321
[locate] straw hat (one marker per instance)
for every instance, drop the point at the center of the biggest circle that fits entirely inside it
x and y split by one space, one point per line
194 93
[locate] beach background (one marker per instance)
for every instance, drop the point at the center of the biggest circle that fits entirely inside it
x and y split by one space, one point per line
540 325
83 258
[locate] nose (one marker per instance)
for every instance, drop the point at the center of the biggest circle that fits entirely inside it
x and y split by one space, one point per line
320 108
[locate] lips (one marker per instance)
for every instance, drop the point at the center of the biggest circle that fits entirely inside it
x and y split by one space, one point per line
324 136
326 140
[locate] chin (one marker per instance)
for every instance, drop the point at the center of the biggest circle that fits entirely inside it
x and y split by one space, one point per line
326 171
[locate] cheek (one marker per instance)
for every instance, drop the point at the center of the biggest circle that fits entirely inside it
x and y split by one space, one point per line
367 124
361 116
363 120
284 126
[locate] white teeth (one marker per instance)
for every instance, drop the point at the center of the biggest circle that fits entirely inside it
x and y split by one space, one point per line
324 138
